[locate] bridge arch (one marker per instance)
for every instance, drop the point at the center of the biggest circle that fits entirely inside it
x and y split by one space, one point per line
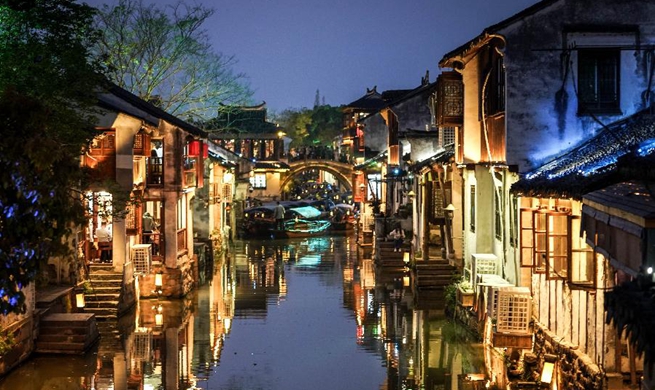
341 171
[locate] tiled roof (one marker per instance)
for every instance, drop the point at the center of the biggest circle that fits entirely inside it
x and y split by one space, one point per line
442 156
619 145
141 107
382 156
371 101
463 49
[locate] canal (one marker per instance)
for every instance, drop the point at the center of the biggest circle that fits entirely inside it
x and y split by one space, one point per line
275 314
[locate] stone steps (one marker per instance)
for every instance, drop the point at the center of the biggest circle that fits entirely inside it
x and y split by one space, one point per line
433 275
104 295
67 333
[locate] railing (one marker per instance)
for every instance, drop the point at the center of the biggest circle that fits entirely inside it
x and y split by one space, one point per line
153 238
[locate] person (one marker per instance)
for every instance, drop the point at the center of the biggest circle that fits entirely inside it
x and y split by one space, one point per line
278 214
149 226
398 237
148 223
103 235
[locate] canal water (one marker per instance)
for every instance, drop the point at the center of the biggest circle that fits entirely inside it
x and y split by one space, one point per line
276 314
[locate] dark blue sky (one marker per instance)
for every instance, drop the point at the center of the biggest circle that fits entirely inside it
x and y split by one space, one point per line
290 48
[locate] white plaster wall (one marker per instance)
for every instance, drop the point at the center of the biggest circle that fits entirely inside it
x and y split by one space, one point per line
472 135
536 130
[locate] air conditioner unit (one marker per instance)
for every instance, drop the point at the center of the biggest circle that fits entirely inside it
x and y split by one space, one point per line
513 311
141 257
487 286
483 264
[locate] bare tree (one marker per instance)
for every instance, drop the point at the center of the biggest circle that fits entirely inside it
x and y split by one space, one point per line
164 55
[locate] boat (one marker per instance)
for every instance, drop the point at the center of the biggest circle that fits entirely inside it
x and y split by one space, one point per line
300 228
299 221
342 218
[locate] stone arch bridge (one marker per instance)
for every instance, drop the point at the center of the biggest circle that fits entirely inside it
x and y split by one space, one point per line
343 172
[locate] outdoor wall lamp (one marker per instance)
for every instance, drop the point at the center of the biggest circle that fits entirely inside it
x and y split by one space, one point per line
227 177
79 300
406 258
549 369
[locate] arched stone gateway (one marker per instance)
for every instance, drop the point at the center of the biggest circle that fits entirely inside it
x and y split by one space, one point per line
343 172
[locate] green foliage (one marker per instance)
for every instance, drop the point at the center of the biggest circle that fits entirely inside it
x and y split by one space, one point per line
163 55
451 291
318 125
7 342
46 82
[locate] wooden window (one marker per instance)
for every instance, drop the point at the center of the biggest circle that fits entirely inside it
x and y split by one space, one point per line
527 238
557 245
598 81
545 242
472 208
582 265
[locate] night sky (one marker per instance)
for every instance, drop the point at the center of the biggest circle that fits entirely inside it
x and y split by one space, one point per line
289 49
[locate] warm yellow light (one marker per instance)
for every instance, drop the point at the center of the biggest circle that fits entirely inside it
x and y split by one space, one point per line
227 177
159 280
406 281
547 372
159 319
79 300
406 257
411 193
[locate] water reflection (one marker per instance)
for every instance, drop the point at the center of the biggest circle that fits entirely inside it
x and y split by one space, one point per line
286 314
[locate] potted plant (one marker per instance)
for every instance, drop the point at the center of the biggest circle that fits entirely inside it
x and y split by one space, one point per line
465 293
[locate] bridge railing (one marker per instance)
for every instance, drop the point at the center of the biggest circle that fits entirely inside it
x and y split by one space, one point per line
317 153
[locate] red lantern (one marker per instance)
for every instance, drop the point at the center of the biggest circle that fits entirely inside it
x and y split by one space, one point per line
205 150
193 149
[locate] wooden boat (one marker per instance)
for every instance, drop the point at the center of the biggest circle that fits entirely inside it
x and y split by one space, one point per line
297 228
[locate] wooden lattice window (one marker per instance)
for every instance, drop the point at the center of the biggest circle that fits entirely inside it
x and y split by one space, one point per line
227 192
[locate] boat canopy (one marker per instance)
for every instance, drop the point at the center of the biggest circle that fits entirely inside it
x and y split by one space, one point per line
307 211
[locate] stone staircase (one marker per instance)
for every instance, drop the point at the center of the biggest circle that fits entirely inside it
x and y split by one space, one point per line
385 256
103 297
67 333
434 274
430 279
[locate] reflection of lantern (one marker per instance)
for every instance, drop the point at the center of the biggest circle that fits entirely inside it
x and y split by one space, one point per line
79 300
159 317
158 280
